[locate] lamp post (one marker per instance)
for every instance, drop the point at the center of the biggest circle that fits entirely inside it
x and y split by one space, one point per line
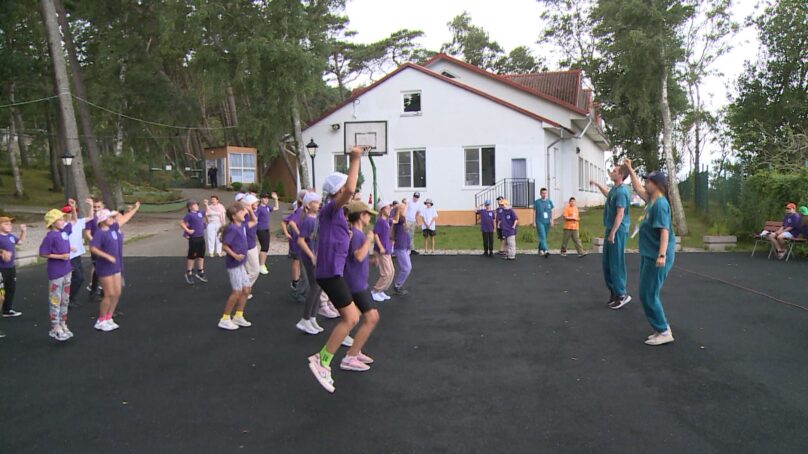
311 148
67 161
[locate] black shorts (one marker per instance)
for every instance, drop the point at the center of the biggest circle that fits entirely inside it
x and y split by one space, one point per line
196 248
364 301
428 233
263 240
499 234
337 290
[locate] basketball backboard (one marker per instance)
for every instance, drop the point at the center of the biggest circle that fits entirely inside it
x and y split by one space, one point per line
371 135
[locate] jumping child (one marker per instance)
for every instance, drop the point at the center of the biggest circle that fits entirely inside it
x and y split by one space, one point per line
383 248
263 233
356 275
234 243
77 250
307 244
251 223
487 221
617 221
401 236
8 267
89 230
332 252
657 250
291 235
499 211
508 221
214 212
56 248
193 226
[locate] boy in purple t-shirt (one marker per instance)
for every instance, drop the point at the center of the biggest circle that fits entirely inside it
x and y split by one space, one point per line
789 230
508 220
234 243
384 248
56 248
193 228
487 221
356 275
332 252
8 255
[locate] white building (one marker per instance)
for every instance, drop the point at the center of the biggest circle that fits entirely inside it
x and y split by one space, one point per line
459 135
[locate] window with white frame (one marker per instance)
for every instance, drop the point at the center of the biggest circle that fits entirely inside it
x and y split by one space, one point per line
581 182
411 102
242 167
480 166
411 166
341 163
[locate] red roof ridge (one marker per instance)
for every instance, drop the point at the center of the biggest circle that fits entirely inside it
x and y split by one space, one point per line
357 93
558 71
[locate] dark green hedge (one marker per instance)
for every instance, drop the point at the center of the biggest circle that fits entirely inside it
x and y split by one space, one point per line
763 198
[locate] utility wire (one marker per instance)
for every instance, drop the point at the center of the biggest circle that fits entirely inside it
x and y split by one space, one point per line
32 101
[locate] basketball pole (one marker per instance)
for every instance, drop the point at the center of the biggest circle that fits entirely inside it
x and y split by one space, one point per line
373 168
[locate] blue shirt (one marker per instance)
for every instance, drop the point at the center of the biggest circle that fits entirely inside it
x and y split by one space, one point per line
333 241
8 242
544 210
506 223
657 217
382 229
356 272
57 242
194 220
792 220
486 220
263 216
235 237
618 198
308 230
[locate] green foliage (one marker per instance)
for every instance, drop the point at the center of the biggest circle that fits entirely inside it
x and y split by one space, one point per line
763 197
280 190
254 187
236 185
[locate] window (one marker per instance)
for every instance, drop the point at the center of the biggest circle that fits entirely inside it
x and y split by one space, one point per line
581 181
480 169
242 167
411 168
341 163
447 74
411 102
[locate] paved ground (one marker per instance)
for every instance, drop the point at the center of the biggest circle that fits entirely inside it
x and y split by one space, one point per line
483 356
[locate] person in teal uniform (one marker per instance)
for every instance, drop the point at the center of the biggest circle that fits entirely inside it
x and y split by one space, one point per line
543 208
657 250
617 221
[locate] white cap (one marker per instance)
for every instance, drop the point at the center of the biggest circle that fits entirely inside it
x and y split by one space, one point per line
249 199
311 197
239 196
384 203
301 194
334 182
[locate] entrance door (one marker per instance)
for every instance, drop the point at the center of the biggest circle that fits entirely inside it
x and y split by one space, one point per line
519 196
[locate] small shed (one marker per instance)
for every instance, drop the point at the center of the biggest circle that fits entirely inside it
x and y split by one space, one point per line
233 165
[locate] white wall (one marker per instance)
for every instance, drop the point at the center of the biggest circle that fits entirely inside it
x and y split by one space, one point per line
452 118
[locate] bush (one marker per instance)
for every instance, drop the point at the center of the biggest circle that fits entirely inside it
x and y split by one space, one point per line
527 235
236 186
266 185
763 196
254 187
280 190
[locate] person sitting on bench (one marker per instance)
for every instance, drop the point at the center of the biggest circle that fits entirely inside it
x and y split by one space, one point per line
789 230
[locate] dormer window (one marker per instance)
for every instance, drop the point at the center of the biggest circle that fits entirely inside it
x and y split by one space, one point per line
447 74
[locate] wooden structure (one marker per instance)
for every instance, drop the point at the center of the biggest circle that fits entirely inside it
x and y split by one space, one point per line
234 164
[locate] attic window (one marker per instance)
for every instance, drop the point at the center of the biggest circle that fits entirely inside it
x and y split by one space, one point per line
447 74
411 103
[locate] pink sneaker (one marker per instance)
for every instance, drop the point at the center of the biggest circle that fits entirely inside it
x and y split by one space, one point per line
353 363
327 310
322 374
364 358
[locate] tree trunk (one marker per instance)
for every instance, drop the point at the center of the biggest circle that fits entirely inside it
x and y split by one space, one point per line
679 219
67 115
13 150
54 144
230 103
697 147
84 111
299 145
286 163
16 118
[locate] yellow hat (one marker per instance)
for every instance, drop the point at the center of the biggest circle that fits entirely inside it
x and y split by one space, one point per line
53 216
358 206
6 219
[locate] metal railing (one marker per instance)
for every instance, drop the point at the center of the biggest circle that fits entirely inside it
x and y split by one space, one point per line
520 192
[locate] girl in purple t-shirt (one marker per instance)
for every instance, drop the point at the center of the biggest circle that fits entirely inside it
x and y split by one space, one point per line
290 231
234 243
56 248
306 225
332 251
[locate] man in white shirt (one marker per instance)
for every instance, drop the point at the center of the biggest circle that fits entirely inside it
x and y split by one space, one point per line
428 217
77 246
413 207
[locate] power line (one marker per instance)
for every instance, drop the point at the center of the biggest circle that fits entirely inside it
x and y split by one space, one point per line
32 101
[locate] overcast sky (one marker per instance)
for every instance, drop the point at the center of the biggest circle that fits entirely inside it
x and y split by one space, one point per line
516 22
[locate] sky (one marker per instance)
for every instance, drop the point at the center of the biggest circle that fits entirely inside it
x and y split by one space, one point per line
516 22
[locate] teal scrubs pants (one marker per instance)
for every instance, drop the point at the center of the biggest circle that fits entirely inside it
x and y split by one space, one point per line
651 280
542 230
614 262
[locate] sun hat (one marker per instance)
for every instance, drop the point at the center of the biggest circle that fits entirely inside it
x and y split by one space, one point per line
6 219
240 196
311 197
803 210
359 206
659 178
334 182
249 199
428 202
53 216
791 206
104 214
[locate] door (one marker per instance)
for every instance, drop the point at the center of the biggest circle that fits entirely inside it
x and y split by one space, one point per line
519 185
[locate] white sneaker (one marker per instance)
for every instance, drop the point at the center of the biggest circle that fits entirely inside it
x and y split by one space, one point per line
348 341
263 270
66 330
108 325
315 325
661 338
305 326
377 297
98 325
241 321
386 296
249 297
228 325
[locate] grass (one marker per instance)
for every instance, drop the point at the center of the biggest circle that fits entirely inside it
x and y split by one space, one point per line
468 237
36 186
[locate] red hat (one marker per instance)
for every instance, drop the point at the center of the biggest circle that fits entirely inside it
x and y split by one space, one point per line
791 206
67 209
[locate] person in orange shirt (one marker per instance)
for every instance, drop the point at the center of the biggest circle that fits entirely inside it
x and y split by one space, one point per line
571 221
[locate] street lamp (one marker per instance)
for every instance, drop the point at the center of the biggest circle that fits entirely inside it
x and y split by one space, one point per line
311 148
67 161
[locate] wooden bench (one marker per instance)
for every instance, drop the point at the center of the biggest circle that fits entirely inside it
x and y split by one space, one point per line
773 226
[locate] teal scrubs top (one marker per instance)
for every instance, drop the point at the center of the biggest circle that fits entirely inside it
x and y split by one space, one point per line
618 198
657 216
544 210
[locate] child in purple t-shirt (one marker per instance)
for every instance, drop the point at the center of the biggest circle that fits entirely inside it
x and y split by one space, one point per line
193 228
306 225
383 249
56 248
332 252
291 232
8 269
234 243
262 213
356 275
508 220
401 244
487 221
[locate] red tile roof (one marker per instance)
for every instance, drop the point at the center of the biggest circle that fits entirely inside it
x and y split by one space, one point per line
359 92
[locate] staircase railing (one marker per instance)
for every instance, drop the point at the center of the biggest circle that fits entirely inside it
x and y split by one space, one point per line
520 192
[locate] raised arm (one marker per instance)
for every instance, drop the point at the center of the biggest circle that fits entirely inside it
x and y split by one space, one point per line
126 217
635 180
253 218
275 198
353 175
600 187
